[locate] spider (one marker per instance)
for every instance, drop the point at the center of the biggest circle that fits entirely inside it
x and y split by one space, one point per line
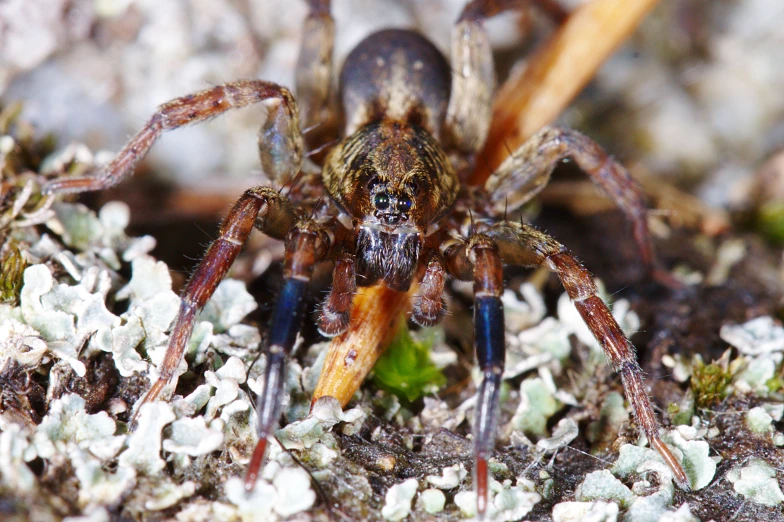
389 205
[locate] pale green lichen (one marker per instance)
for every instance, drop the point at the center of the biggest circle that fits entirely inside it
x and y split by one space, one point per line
14 454
432 501
756 481
602 485
537 404
21 343
755 337
194 437
144 444
282 493
450 477
693 455
598 511
506 502
759 421
565 432
97 486
67 423
325 414
397 500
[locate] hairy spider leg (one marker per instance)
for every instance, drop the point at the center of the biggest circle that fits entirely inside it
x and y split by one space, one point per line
336 310
281 154
478 259
527 171
523 245
429 305
262 207
307 244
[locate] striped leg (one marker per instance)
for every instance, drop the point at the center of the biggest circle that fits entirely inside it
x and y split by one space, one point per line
479 259
306 245
260 204
521 244
280 142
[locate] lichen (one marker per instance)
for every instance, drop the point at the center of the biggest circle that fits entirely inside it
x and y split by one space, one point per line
756 481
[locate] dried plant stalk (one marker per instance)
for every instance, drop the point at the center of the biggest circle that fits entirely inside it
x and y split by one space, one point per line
351 356
555 74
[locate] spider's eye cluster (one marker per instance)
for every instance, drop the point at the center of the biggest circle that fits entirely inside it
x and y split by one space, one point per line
381 201
403 203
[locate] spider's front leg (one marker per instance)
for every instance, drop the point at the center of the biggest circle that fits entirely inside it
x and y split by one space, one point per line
263 207
307 244
479 259
523 245
526 172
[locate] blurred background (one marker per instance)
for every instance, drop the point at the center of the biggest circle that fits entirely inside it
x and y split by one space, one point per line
693 99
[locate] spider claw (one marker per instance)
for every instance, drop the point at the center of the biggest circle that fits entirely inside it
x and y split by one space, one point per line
677 470
151 396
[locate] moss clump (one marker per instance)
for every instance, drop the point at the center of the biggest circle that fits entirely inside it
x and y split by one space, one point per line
405 369
709 382
12 266
770 222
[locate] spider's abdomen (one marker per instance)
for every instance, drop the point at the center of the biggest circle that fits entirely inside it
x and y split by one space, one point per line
395 75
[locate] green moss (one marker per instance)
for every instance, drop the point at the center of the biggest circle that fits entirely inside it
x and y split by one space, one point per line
682 413
770 222
709 383
12 266
775 384
405 369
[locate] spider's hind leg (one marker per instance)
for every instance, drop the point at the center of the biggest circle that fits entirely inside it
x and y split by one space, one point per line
314 66
527 171
523 245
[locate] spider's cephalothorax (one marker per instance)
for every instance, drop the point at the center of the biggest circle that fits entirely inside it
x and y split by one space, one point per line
409 125
390 174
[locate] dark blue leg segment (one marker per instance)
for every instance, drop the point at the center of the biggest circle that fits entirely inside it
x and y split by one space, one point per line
489 343
284 325
489 331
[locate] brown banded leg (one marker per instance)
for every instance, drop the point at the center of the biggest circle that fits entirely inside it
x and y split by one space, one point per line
526 172
285 146
430 306
307 244
336 310
521 244
259 205
314 65
479 257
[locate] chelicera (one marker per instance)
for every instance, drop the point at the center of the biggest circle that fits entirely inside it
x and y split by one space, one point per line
389 205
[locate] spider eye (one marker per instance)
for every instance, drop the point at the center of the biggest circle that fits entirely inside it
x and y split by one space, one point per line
381 201
403 203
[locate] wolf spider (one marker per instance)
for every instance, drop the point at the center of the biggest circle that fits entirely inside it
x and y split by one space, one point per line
395 210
